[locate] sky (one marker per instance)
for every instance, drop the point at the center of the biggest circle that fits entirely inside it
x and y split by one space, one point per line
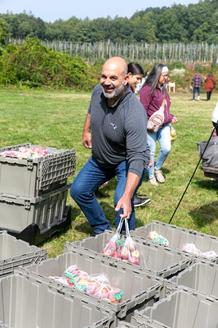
51 10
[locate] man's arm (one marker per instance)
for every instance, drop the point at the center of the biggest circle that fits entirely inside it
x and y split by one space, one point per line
136 140
125 201
86 136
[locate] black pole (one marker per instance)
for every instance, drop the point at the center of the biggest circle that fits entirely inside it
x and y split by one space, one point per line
179 202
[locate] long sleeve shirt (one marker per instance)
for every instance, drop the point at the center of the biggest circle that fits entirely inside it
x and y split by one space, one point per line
152 101
197 80
118 132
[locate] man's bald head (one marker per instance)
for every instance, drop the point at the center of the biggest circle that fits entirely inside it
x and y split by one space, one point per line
114 77
116 63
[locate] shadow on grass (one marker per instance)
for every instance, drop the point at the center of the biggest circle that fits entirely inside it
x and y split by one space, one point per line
165 170
108 210
75 212
205 214
139 222
207 184
84 227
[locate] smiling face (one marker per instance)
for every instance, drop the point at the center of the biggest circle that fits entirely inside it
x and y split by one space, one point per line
134 79
113 77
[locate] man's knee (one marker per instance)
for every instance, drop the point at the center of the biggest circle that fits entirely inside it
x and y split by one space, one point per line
75 190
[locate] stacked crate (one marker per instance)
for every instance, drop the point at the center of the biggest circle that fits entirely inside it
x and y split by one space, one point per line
194 301
188 296
154 259
169 289
141 291
178 237
181 308
14 253
33 192
26 302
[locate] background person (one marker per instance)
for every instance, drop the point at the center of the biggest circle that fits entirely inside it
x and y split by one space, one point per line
135 76
209 84
196 83
115 131
152 95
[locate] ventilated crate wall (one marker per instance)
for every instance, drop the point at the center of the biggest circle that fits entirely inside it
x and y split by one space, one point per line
17 213
33 177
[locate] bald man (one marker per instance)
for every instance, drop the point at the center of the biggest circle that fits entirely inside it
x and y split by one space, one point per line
115 130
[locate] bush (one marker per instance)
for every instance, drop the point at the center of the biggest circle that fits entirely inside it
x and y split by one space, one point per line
33 64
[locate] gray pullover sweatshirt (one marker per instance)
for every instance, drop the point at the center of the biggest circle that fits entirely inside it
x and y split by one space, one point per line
120 132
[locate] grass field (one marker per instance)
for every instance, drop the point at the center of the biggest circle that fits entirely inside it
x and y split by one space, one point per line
55 118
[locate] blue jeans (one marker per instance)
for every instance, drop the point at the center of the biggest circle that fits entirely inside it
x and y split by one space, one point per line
163 137
83 191
196 90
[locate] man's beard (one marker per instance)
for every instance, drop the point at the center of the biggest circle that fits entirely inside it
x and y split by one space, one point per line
116 92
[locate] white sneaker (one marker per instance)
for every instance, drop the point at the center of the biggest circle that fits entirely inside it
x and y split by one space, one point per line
159 176
153 181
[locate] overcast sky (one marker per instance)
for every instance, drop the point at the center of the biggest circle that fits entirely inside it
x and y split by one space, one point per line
51 10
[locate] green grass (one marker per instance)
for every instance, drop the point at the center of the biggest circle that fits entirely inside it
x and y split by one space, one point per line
55 118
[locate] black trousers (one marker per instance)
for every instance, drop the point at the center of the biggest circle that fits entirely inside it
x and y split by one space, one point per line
209 94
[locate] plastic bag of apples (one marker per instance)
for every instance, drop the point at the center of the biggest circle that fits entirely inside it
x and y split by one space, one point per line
122 246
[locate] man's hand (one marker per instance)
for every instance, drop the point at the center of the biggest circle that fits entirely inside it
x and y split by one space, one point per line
87 140
124 204
86 137
174 120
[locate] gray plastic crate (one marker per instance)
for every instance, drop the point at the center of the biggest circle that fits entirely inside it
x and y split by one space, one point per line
14 253
129 325
123 324
33 177
139 287
26 302
177 237
201 277
157 260
181 309
17 213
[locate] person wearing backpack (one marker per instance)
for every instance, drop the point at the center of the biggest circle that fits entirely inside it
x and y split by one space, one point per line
156 102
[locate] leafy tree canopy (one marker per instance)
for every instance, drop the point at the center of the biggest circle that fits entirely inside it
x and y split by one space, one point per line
179 23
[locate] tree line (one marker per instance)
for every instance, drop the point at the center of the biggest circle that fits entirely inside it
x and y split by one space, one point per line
178 23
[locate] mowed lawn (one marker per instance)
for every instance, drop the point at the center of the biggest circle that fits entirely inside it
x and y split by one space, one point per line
55 118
